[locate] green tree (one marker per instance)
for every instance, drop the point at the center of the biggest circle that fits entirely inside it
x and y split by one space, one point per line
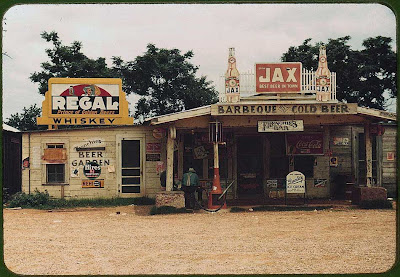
166 82
164 78
362 75
68 61
25 121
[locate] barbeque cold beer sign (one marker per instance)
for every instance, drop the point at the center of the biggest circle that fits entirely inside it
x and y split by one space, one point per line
87 101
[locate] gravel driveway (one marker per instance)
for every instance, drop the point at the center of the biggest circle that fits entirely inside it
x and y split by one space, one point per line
100 241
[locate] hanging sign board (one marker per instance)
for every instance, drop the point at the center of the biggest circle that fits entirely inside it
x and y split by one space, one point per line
295 182
278 77
274 126
304 144
86 101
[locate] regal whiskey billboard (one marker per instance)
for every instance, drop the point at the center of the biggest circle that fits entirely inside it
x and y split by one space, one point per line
86 101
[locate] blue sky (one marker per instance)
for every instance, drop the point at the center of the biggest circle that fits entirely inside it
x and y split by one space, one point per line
259 32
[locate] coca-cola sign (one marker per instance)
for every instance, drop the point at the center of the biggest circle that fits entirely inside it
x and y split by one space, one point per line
304 144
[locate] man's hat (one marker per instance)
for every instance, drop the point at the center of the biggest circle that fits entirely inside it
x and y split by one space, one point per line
192 170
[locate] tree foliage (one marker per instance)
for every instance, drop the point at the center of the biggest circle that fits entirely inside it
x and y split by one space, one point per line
68 61
166 82
362 75
25 121
165 79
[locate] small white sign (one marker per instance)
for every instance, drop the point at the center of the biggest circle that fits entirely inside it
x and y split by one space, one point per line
295 182
340 141
272 183
74 172
274 126
200 152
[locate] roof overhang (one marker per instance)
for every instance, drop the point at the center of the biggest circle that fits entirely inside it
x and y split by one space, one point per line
377 114
10 128
262 108
168 118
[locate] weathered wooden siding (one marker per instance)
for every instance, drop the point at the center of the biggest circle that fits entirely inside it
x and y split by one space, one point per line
11 162
35 143
389 168
344 171
35 178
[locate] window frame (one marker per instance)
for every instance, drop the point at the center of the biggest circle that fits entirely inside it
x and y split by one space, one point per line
48 166
49 144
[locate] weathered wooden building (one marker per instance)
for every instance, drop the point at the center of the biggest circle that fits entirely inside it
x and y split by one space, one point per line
332 150
132 157
58 159
291 122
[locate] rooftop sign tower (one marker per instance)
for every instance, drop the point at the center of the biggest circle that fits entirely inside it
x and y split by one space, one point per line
323 76
280 81
232 85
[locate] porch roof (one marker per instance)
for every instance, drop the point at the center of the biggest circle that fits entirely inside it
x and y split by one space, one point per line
372 114
200 111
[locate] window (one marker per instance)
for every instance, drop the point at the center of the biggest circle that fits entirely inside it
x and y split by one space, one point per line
188 156
55 173
55 145
305 164
279 162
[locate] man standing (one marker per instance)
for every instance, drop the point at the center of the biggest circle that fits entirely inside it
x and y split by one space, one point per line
190 183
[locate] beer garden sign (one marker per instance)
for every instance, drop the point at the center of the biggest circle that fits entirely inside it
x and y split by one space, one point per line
85 101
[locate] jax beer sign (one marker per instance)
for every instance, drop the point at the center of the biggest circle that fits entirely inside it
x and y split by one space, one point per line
278 77
86 101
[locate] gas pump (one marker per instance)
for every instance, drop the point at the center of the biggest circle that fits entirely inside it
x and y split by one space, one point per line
215 200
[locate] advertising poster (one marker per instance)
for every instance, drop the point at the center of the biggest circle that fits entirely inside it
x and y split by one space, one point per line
304 144
295 182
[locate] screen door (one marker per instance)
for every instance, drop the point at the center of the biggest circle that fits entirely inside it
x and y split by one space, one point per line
131 166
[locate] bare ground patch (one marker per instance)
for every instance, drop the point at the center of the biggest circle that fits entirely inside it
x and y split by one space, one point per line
100 241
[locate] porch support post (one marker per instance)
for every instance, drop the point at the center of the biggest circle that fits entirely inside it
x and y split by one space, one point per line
170 158
368 153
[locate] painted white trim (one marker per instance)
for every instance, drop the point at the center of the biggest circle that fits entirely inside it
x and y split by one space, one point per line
204 110
10 129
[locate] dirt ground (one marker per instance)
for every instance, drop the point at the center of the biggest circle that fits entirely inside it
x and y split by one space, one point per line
100 241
